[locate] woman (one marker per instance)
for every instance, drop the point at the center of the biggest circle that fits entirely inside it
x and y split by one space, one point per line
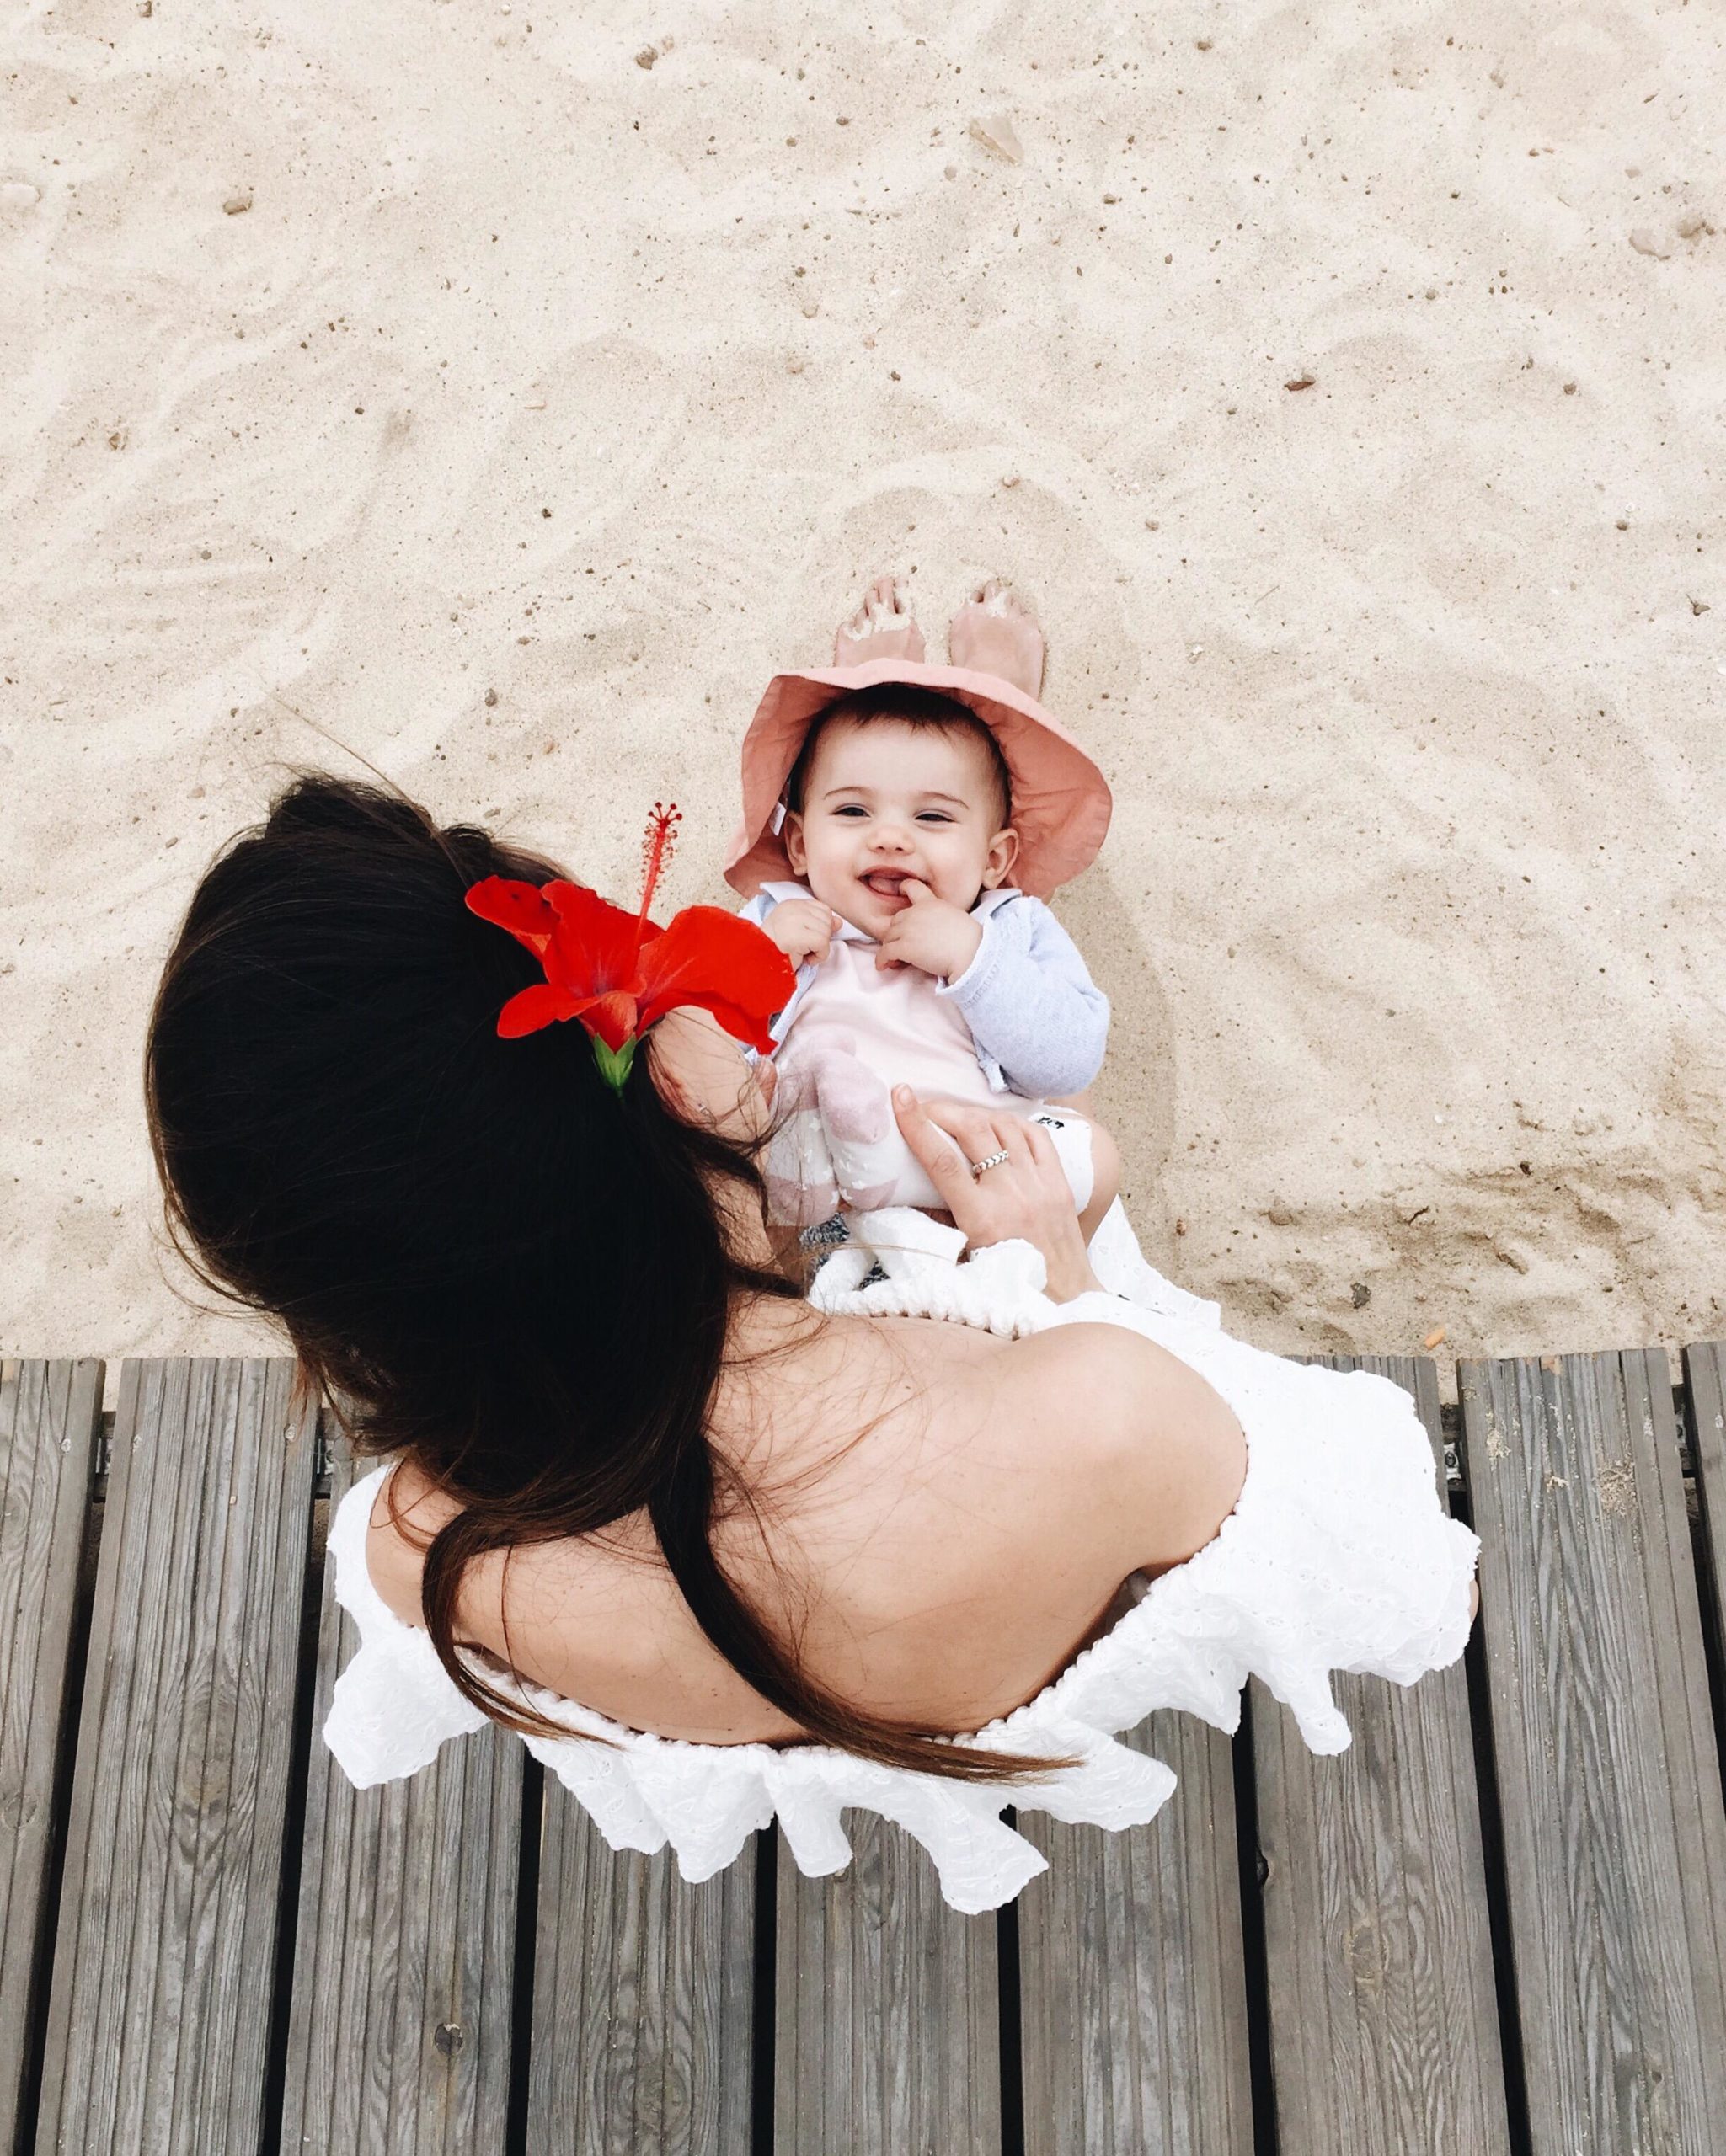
647 1491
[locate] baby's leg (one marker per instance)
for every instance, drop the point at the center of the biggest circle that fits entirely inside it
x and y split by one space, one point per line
1095 1169
1105 1187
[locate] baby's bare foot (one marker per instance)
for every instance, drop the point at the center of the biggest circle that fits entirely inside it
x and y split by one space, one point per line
882 627
994 632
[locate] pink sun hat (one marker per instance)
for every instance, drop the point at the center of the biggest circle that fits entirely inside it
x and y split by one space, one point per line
1062 802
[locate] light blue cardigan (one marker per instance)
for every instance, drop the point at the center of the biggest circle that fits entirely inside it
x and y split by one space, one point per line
1039 1023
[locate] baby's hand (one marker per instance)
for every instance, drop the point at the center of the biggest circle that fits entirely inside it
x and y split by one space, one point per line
932 934
803 928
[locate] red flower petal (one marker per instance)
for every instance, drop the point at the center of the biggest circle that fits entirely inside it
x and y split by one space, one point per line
741 1025
532 1008
730 967
593 948
613 1017
520 908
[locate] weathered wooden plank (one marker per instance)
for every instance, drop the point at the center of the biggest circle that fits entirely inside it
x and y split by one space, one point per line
48 1417
1608 1779
1378 1954
158 2016
1133 2006
887 2022
399 2029
643 1996
1705 1381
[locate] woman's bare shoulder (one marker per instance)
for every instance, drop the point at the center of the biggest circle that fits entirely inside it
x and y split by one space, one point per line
406 1514
395 1556
1162 1451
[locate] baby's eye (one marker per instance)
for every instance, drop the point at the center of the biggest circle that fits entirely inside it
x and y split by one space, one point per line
933 815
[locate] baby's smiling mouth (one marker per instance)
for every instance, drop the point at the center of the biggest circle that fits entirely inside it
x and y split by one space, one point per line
886 882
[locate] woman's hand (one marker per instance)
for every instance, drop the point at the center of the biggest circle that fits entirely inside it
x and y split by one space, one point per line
1026 1195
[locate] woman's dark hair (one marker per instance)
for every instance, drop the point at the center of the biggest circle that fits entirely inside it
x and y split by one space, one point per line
487 1260
913 706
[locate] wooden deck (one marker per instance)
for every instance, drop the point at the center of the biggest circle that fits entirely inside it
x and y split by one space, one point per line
1497 1922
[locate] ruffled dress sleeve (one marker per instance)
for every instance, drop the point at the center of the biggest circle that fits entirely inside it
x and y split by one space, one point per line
394 1705
1338 1555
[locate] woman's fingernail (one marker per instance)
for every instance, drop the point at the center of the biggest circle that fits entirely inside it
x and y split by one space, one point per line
901 1094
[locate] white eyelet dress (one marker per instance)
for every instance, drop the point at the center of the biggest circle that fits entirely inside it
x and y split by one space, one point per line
1337 1556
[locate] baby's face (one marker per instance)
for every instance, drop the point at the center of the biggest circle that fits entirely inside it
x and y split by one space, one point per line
883 800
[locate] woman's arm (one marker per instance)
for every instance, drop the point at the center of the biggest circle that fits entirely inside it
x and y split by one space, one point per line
1025 1195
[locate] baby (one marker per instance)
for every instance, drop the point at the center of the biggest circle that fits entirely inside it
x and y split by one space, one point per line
902 797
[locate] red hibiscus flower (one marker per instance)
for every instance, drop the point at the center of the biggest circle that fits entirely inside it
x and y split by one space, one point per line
619 974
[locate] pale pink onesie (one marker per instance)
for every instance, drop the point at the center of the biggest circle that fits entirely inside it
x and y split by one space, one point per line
893 1020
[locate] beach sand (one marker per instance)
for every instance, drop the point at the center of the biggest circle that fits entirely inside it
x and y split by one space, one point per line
449 382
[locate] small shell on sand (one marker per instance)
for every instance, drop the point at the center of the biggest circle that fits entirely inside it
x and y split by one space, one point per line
1300 382
19 195
647 56
998 134
1644 242
239 202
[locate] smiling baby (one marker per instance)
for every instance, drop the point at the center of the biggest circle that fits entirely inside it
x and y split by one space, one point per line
921 808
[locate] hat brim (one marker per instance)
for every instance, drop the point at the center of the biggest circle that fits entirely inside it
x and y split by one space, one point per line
1062 802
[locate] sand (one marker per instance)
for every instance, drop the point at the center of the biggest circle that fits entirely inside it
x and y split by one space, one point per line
364 365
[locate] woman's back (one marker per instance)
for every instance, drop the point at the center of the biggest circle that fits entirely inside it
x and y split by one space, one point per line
940 1567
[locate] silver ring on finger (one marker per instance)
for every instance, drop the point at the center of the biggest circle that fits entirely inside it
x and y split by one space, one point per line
989 1160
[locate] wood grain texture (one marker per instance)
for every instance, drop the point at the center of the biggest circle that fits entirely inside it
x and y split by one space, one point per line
1383 2016
1133 2004
887 2009
1705 1381
1609 1782
164 1959
50 1413
399 2030
643 1996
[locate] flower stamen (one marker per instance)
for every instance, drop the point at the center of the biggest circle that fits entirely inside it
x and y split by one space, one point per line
655 852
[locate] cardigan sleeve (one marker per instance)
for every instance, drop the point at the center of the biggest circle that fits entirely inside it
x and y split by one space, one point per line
1031 1003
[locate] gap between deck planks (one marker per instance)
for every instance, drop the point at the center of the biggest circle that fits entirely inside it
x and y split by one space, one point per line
1608 1762
158 2018
1383 2011
48 1417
